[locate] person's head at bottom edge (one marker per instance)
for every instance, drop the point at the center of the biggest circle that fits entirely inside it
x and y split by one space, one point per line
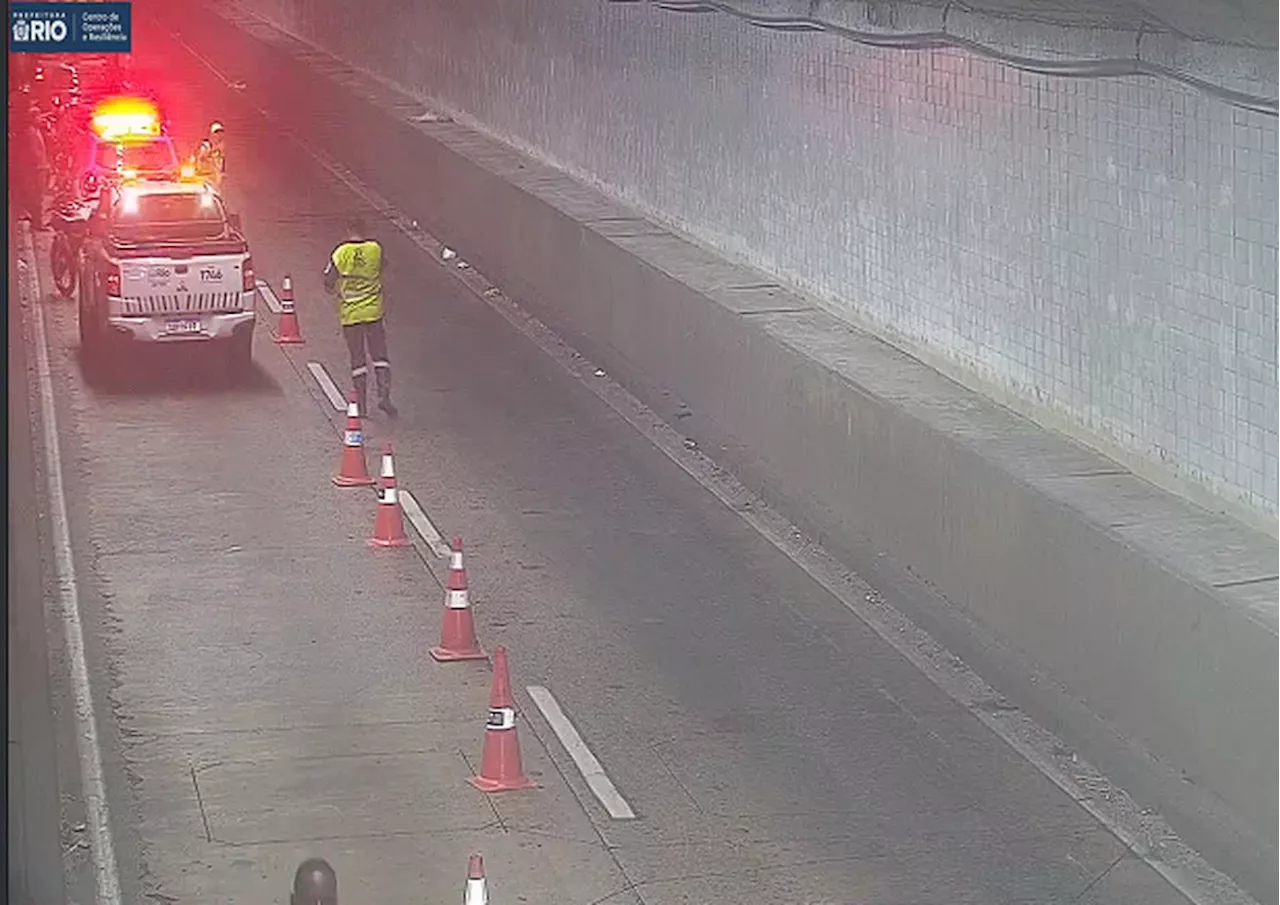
314 883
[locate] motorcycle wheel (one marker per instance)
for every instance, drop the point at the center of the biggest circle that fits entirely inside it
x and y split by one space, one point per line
63 264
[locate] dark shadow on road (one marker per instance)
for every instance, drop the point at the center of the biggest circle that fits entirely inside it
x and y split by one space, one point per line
167 373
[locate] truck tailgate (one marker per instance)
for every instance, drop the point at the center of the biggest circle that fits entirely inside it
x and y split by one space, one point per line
201 284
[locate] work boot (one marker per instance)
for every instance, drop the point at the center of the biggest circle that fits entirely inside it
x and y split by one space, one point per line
383 376
361 396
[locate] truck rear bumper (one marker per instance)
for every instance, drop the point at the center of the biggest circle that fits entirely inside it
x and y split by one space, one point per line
182 329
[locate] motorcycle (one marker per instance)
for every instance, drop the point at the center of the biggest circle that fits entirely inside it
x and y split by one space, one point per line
70 225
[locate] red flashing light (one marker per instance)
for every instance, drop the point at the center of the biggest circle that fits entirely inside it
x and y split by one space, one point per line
126 116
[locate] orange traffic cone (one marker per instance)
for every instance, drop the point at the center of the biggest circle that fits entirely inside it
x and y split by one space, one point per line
353 471
388 527
477 890
458 633
289 334
500 767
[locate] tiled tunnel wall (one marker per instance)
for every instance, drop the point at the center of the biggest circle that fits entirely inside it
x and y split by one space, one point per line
1102 248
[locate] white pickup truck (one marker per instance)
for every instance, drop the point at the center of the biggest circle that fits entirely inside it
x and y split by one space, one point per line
165 263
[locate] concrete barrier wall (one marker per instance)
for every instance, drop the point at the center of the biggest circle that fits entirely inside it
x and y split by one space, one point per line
1101 250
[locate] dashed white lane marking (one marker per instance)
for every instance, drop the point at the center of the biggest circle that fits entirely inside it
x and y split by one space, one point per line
269 296
418 518
327 386
1146 834
597 780
98 813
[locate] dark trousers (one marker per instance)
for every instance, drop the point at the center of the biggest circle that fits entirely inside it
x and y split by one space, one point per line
373 335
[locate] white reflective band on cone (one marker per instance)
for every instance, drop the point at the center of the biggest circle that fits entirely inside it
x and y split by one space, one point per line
353 438
458 600
477 893
501 718
387 496
388 469
455 561
353 410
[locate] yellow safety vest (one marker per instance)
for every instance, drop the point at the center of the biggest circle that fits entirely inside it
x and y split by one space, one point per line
359 266
211 163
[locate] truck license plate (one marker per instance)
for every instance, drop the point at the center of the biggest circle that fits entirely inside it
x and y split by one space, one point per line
182 327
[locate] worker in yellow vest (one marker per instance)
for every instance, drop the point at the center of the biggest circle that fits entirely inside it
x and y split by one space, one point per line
211 157
355 271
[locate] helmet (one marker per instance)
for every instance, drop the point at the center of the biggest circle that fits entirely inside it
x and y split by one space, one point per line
215 128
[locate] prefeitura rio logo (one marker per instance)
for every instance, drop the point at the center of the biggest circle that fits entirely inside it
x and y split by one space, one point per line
101 26
36 29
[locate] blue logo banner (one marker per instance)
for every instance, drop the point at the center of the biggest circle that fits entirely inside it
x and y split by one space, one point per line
70 27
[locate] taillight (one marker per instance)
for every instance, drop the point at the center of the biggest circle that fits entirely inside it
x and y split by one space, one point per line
113 279
247 271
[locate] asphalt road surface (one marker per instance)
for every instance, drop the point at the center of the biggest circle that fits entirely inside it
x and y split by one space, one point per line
261 679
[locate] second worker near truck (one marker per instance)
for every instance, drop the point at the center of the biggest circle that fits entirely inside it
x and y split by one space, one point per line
355 271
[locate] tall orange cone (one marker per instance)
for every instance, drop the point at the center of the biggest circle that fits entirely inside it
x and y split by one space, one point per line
458 633
388 527
353 472
500 767
289 334
477 891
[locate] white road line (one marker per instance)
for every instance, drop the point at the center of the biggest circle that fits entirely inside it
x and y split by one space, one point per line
597 780
269 297
327 386
98 814
208 64
413 512
1180 865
